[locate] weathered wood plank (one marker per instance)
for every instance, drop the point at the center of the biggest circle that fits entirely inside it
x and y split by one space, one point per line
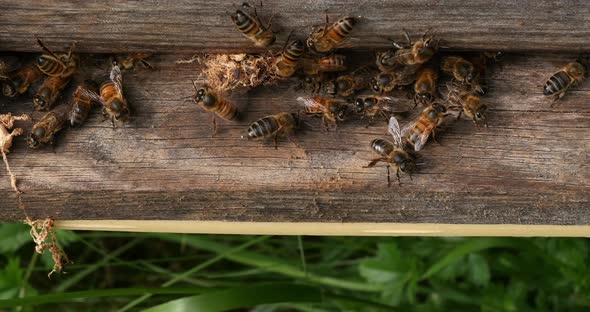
186 26
529 167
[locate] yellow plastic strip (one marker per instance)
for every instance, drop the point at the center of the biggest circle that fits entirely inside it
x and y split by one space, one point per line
317 228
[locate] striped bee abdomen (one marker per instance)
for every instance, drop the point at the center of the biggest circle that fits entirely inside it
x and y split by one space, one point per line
226 110
245 23
382 147
557 83
265 126
341 29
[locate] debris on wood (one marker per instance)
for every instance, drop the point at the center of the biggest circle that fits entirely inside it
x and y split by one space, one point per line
43 235
7 123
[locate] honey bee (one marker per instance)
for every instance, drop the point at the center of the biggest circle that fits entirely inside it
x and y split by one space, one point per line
212 102
114 104
373 105
463 99
326 64
416 53
21 80
393 153
43 132
274 126
54 65
344 86
130 61
461 69
561 81
416 133
312 83
333 110
326 39
288 62
252 28
425 86
81 103
49 92
388 81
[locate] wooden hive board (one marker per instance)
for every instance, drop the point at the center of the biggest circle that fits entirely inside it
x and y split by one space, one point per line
529 167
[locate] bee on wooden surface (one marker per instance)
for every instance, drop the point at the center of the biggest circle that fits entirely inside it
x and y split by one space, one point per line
464 100
281 124
49 92
333 110
288 61
416 133
561 81
213 102
393 153
461 69
43 132
327 38
345 86
54 65
416 53
114 104
130 61
388 81
425 86
373 105
312 83
252 27
326 64
81 103
21 80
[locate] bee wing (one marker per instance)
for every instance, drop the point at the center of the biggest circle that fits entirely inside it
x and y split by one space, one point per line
393 105
349 42
395 131
91 95
117 79
311 104
423 138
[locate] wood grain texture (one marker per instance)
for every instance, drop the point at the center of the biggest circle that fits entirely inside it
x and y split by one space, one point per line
530 166
187 26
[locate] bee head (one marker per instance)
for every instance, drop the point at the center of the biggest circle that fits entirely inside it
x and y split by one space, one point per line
120 109
359 105
311 44
297 45
40 102
480 115
439 108
33 137
342 112
407 165
240 17
343 84
424 97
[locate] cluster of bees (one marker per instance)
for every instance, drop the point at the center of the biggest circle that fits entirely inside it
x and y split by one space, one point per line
55 71
337 96
335 92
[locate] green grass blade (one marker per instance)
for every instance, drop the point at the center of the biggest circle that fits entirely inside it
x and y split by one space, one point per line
470 246
241 297
272 264
115 292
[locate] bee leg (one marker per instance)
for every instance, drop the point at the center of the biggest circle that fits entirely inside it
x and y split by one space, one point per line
113 122
214 126
434 137
374 162
326 124
459 115
370 122
276 140
388 177
399 181
557 97
327 23
407 37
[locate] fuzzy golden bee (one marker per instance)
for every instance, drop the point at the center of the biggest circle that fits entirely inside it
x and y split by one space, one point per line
21 80
213 102
111 97
288 61
327 64
275 126
393 153
251 27
416 133
425 86
49 91
333 110
416 53
43 132
463 99
81 103
329 37
54 65
461 69
561 81
372 106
